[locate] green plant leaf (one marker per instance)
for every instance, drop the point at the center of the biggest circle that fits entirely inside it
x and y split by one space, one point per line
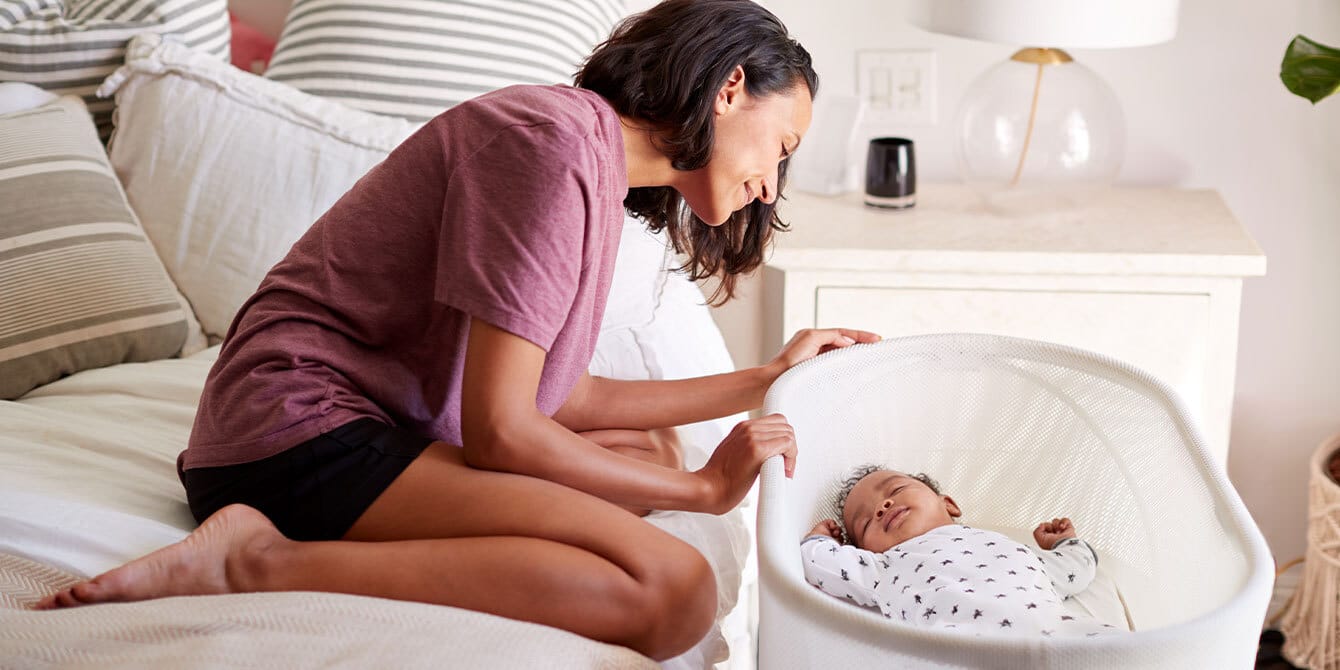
1310 69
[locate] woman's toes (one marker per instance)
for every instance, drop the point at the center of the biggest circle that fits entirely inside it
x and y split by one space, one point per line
50 602
84 592
67 598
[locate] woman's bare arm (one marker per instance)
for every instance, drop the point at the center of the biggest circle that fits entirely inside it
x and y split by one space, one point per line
658 445
502 430
598 402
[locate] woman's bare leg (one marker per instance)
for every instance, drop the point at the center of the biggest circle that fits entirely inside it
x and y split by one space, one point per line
512 545
659 445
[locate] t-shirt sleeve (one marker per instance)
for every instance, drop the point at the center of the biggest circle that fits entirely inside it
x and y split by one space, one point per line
514 223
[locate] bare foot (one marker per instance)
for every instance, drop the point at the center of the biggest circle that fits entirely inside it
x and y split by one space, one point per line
212 559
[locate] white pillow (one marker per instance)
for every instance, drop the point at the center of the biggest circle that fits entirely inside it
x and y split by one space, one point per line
17 97
227 170
679 340
639 277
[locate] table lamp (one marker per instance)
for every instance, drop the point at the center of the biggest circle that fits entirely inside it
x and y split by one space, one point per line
1041 131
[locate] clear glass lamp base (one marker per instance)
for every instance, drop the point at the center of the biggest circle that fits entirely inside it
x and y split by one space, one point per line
1027 199
1039 132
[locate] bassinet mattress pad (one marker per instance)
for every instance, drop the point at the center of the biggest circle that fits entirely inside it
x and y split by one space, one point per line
88 481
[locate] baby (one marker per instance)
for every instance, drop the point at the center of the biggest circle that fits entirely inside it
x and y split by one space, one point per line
910 559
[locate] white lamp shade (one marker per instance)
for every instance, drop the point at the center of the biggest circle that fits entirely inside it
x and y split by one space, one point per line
1093 24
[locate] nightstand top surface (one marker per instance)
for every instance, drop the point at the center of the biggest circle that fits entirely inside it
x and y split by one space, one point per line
1127 230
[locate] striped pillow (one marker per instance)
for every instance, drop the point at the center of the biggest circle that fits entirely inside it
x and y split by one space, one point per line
79 284
70 46
415 58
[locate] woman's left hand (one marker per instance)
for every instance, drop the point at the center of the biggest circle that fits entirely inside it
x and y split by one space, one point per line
811 342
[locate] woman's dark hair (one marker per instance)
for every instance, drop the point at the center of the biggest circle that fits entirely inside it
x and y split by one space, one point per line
665 66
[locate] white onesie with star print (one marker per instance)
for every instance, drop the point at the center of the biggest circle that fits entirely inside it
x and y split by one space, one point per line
962 578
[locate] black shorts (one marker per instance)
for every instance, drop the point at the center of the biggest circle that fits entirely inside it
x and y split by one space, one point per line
315 490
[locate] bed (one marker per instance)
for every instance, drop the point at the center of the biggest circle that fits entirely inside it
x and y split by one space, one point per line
87 481
204 205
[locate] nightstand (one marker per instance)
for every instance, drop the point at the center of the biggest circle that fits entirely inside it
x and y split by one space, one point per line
1151 276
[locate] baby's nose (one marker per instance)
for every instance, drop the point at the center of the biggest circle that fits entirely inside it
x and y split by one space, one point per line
883 508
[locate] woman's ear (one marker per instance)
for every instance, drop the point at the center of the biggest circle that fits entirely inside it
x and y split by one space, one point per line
952 507
729 95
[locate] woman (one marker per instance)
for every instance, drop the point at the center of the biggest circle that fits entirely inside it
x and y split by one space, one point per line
396 411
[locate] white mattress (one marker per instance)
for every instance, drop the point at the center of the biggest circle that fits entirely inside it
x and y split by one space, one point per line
88 479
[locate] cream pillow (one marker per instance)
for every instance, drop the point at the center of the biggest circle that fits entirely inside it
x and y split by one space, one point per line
79 284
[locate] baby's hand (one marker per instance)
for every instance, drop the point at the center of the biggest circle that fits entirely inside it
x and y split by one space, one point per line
1048 533
827 527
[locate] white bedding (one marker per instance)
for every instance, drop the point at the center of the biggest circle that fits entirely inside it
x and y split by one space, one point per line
88 481
278 631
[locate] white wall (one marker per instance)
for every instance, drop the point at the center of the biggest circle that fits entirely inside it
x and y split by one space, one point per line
1205 110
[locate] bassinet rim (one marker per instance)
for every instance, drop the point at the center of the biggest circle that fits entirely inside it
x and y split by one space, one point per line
1167 395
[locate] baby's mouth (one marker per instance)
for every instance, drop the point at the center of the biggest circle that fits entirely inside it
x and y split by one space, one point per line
895 517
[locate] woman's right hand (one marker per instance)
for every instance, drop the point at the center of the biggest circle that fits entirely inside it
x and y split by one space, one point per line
732 468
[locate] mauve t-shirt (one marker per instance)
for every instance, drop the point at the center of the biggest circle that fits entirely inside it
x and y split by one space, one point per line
506 208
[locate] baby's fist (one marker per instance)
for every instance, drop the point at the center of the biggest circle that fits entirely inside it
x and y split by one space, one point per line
1048 533
827 527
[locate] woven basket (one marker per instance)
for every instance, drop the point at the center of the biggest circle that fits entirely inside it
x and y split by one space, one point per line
1311 624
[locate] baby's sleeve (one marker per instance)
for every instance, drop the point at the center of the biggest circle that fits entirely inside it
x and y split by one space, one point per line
841 570
1071 565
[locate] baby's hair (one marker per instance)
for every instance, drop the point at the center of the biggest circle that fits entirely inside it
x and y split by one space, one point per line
861 473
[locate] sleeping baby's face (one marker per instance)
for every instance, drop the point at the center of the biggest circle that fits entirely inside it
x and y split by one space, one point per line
886 508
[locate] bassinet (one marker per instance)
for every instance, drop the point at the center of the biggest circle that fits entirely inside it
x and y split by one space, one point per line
1017 432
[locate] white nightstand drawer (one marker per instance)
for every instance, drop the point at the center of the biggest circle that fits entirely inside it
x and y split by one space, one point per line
1165 334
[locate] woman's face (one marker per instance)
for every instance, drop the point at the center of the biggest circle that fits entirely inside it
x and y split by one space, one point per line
752 136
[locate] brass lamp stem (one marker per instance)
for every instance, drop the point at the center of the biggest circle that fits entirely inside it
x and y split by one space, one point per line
1043 58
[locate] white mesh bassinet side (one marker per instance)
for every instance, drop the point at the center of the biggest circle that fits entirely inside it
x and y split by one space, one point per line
1017 432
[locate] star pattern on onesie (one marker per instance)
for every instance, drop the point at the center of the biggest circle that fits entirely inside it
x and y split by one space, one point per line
1016 589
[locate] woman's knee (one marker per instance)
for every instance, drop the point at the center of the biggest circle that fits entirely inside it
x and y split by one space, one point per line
679 602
